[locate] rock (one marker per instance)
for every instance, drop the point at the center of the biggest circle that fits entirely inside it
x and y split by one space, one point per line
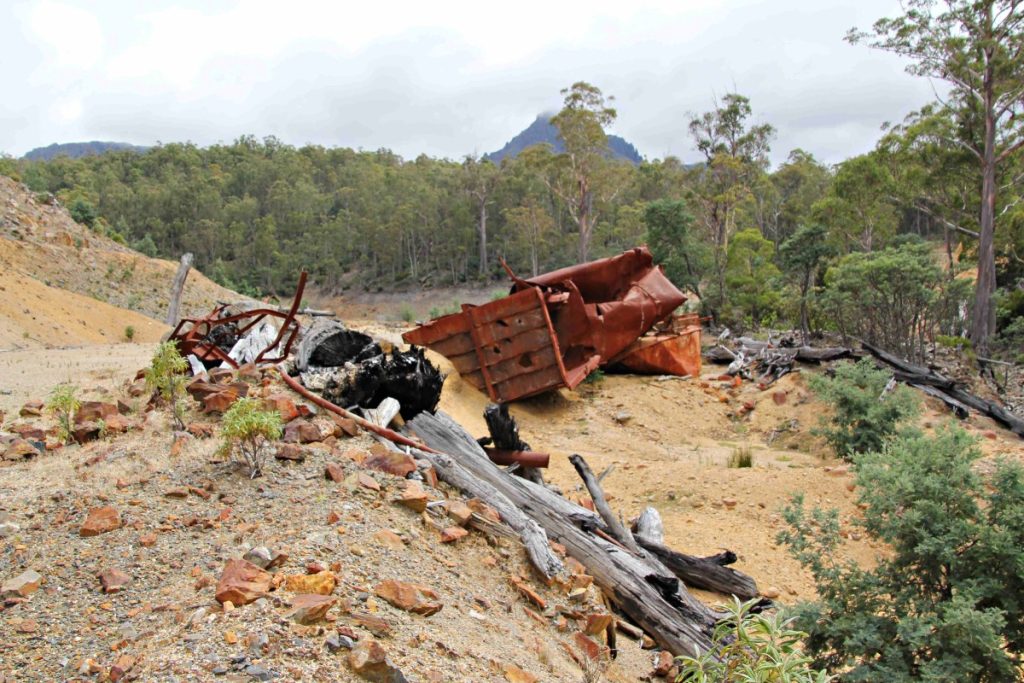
345 425
622 417
19 449
100 521
258 673
513 674
282 404
663 664
220 401
484 510
414 497
290 451
409 597
771 592
587 646
259 556
121 667
85 432
337 642
597 623
113 580
301 431
321 583
779 397
32 409
367 482
242 582
8 529
529 593
372 623
452 534
180 492
392 462
459 512
334 472
389 538
200 430
729 503
118 424
309 609
91 411
147 540
369 660
22 585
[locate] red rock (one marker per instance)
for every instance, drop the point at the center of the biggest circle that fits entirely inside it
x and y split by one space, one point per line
308 609
378 626
22 585
200 430
990 435
123 408
369 660
779 397
91 411
333 517
290 451
28 432
459 512
334 472
367 482
147 540
484 510
414 497
529 594
118 424
301 431
220 375
121 667
587 646
664 665
452 534
137 388
220 401
176 493
20 449
389 538
282 404
356 455
346 426
113 580
242 582
597 623
179 444
409 597
85 432
429 476
321 583
513 674
392 462
100 521
32 409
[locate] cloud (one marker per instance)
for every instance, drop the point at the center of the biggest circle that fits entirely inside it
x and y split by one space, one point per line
444 79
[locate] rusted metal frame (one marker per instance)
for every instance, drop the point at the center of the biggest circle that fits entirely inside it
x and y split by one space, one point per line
554 337
505 457
288 319
492 391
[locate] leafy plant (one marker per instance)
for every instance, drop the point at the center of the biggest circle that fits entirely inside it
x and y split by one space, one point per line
248 427
63 403
407 313
129 333
943 603
753 648
166 375
866 412
82 211
741 457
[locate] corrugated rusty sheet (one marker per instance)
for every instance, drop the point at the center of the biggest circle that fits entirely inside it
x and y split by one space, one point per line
555 329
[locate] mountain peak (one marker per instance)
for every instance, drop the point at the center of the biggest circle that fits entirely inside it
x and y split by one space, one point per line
542 131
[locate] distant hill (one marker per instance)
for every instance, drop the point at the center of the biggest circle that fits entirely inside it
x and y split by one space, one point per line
75 150
542 130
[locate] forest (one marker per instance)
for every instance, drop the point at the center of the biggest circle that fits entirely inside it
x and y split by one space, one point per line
918 240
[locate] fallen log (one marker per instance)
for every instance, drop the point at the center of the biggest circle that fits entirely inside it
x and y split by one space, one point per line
913 374
615 526
643 589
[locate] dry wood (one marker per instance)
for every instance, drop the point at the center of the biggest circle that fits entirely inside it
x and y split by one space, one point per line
615 526
177 287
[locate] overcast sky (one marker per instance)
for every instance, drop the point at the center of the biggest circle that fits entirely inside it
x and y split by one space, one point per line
441 78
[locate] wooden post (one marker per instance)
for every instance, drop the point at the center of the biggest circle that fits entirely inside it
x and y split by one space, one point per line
177 287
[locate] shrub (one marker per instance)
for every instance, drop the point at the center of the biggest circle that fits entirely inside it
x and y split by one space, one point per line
248 427
753 648
407 314
129 333
82 211
741 457
63 403
866 412
943 602
166 375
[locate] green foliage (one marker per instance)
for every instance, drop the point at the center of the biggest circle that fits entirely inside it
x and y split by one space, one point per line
802 255
753 648
63 404
248 427
407 313
146 246
674 243
943 603
82 211
166 375
741 457
866 413
129 333
596 377
750 274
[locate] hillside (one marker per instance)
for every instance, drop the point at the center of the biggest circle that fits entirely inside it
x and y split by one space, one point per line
76 150
65 284
541 131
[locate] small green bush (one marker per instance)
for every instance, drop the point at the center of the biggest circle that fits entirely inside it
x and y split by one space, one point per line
166 375
129 333
63 403
248 427
753 648
866 413
407 313
741 457
82 211
943 602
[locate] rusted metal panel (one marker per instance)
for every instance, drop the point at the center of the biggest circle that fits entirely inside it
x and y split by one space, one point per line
555 329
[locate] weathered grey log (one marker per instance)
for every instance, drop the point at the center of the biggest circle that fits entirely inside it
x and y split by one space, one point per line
912 373
616 528
534 538
177 287
720 354
810 354
646 591
708 573
958 408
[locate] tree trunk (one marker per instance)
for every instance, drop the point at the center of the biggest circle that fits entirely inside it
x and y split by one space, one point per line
177 287
983 319
482 231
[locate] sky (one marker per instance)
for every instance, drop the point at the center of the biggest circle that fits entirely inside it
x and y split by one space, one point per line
441 78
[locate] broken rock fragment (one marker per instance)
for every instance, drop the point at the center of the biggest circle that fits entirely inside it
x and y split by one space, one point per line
321 583
22 585
409 597
310 608
242 582
392 462
369 659
113 580
100 521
